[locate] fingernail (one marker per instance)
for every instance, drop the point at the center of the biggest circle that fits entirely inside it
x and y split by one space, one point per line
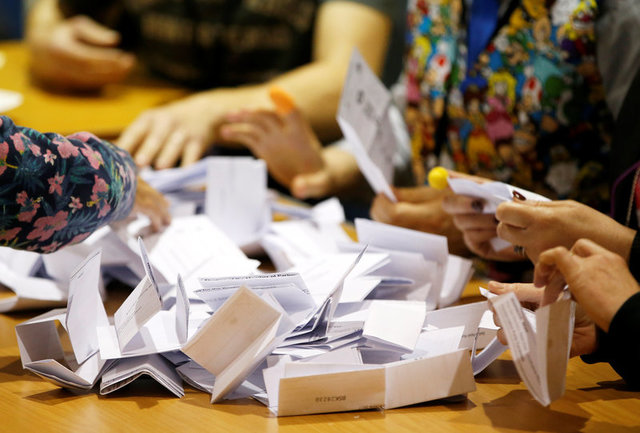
518 196
477 205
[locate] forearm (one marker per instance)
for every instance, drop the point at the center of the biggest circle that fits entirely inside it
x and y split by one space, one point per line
56 190
43 16
340 27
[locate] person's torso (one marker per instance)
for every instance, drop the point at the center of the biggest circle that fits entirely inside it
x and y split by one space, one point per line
207 43
531 110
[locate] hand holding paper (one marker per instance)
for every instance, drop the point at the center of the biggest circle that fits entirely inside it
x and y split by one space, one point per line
363 117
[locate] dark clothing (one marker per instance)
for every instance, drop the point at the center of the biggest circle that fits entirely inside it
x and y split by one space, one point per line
222 43
620 346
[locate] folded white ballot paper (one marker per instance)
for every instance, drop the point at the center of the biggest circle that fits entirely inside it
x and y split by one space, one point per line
306 388
21 289
363 116
140 306
433 248
164 331
236 339
287 288
193 246
493 193
140 327
539 347
236 197
395 323
70 358
124 371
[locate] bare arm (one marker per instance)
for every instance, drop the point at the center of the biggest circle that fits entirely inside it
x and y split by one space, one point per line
186 128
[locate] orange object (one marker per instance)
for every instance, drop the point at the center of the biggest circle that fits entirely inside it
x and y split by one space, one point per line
282 100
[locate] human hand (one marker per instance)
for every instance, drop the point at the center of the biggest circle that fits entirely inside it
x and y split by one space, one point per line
584 332
538 226
478 228
285 142
182 130
598 279
419 208
152 203
78 54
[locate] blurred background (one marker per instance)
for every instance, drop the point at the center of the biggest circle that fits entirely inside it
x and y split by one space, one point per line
12 13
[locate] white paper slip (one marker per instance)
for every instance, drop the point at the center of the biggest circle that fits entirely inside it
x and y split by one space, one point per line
139 307
194 247
196 376
182 312
470 316
236 197
238 336
176 179
20 292
9 100
55 360
436 342
493 193
363 116
288 289
456 276
432 247
24 263
124 371
85 312
158 335
317 388
395 323
540 352
480 361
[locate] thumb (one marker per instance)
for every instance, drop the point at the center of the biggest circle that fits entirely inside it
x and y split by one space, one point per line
94 33
311 185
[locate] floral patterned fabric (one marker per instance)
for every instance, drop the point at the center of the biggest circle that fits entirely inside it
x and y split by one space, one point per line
55 191
530 111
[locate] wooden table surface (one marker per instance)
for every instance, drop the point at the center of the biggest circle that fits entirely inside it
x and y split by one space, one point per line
595 399
105 113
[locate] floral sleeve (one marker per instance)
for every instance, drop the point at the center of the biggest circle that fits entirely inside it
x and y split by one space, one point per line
55 190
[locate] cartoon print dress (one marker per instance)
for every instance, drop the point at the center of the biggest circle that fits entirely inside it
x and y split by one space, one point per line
530 111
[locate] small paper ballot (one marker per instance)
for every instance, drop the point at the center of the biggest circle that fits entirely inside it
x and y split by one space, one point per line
433 248
139 307
85 312
80 365
231 344
236 197
322 388
124 371
539 348
364 119
493 193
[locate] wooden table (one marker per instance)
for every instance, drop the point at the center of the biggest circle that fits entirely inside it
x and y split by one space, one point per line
105 113
595 401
